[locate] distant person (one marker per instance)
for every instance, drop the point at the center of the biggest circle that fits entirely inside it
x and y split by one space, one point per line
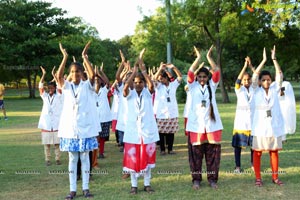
103 108
49 119
2 92
165 106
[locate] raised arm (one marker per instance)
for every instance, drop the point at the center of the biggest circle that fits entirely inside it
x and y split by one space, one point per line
89 69
250 64
176 70
103 76
41 83
200 66
129 80
192 69
143 69
61 69
196 61
257 70
210 60
43 74
120 68
262 63
279 75
243 70
162 67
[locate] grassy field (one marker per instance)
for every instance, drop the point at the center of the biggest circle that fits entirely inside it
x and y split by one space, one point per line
23 174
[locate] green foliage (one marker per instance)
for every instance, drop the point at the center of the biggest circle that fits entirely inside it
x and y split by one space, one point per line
24 175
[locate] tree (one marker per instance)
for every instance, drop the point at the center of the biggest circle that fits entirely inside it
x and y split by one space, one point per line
28 32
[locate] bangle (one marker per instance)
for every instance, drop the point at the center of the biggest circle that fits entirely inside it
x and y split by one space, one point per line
274 59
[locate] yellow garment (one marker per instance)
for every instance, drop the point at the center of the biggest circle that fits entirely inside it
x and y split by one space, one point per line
2 89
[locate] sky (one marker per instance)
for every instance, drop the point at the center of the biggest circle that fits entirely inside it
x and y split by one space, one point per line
112 18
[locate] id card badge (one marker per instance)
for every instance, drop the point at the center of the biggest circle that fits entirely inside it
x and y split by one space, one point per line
203 103
269 114
168 99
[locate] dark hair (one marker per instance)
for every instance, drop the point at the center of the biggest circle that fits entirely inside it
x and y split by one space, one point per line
140 76
164 74
78 65
212 114
246 73
264 73
204 70
52 83
102 83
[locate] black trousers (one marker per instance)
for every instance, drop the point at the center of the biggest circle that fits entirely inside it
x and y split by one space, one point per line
166 139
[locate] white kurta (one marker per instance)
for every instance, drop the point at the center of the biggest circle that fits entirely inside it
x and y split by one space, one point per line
263 105
103 108
115 105
122 110
79 117
51 111
242 120
199 120
165 102
140 123
187 105
288 108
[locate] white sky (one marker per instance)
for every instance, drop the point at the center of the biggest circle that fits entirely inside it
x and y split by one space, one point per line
112 18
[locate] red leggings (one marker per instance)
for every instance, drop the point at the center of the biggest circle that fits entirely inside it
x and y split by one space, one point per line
273 161
101 142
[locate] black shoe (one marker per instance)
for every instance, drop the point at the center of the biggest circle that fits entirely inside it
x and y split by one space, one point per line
133 190
148 189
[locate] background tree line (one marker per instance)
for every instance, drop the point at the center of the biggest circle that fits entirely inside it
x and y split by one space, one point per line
30 33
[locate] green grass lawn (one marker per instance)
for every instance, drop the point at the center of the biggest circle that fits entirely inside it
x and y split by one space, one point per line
23 174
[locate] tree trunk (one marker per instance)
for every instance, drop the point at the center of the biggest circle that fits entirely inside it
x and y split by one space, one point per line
224 93
31 91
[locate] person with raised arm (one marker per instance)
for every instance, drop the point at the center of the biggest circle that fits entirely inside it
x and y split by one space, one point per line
103 108
141 131
204 124
78 125
242 122
49 118
165 106
267 120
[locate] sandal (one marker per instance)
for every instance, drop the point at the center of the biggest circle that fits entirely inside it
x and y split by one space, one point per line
148 189
278 182
196 185
87 194
71 195
133 190
258 182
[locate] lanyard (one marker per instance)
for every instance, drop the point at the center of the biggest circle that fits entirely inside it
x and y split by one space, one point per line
202 92
75 90
139 102
248 96
167 90
50 99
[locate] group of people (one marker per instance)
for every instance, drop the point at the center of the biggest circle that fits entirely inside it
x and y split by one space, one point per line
144 113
